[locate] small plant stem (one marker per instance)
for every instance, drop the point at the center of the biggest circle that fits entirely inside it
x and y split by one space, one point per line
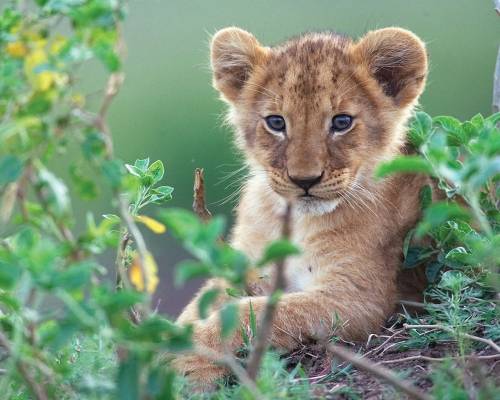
139 241
121 272
266 322
489 342
378 371
496 4
496 75
438 359
36 388
113 85
199 204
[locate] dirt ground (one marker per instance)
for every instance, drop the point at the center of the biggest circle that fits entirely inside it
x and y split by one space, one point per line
342 381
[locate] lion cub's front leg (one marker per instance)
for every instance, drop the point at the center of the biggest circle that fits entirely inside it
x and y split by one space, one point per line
300 317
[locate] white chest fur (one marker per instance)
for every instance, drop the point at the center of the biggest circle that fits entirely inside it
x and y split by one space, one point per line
299 273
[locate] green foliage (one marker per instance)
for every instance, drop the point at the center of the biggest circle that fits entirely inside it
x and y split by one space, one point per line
457 239
463 159
63 323
78 332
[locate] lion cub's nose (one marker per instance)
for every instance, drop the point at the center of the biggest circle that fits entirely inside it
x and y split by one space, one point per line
306 183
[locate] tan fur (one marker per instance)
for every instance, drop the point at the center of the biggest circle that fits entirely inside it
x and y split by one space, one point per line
351 233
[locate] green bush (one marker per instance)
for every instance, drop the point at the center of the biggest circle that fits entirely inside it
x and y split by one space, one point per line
73 328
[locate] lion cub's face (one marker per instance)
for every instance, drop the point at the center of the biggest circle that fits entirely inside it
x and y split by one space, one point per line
316 114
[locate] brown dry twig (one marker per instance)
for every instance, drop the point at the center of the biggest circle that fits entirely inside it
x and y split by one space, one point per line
199 204
37 389
378 371
200 208
496 74
489 342
438 359
266 322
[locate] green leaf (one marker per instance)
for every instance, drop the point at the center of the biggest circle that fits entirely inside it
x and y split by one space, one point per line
432 271
9 274
229 319
252 321
142 165
425 197
133 170
415 256
112 170
75 277
206 300
187 270
182 223
128 378
456 257
452 126
112 217
407 241
85 187
156 170
94 145
420 128
494 119
56 192
104 51
454 281
278 250
115 302
413 164
478 120
438 213
11 168
161 194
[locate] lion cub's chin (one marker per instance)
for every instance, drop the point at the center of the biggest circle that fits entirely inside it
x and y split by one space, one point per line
314 206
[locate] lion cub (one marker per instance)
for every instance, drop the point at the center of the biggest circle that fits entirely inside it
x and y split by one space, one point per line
313 117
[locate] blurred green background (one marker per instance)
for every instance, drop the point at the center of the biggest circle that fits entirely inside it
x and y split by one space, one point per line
168 110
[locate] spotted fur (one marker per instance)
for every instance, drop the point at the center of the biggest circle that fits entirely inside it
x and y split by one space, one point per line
352 226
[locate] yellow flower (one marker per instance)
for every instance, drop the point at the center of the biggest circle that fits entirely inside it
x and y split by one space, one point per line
151 271
16 49
44 80
57 45
152 224
34 59
78 100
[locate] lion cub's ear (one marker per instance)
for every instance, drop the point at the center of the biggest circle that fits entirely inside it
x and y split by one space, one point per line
234 55
397 59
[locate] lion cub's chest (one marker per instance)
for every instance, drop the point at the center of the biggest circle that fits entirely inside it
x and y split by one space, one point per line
300 274
303 271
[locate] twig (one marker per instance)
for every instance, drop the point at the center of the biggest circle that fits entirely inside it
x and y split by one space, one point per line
121 272
199 204
63 230
113 85
376 349
266 322
138 238
496 4
437 359
489 342
37 389
115 81
378 371
412 303
496 75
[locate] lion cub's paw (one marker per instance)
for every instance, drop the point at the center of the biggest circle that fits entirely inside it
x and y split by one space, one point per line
201 372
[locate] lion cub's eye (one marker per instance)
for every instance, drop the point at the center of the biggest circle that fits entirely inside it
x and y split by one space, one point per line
276 123
341 123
